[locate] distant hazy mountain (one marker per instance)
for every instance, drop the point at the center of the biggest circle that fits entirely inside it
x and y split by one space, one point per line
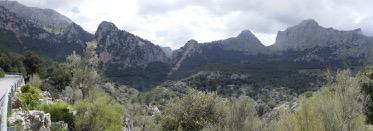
48 19
21 32
167 51
309 34
298 52
196 55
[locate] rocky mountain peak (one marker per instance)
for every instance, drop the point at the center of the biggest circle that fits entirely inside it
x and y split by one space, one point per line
118 46
308 34
191 43
76 36
246 34
167 51
246 41
49 20
311 23
106 26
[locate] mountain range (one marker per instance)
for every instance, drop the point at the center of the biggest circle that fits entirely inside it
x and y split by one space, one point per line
300 52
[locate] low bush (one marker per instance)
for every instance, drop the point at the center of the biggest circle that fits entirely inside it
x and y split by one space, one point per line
29 97
60 111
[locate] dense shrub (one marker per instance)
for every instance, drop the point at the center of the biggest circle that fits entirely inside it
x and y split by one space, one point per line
366 83
192 112
336 107
30 97
60 111
2 73
98 112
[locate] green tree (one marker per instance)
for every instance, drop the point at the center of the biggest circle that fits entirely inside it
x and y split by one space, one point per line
2 73
33 63
12 62
98 112
59 76
84 70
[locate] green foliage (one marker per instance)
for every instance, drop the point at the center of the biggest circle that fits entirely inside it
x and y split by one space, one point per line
2 73
27 63
336 107
35 80
30 97
192 112
84 70
59 76
33 63
238 114
159 96
60 111
366 83
98 112
142 120
12 62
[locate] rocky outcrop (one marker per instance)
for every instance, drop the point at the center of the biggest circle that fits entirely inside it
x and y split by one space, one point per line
31 120
178 56
194 55
20 27
59 126
309 34
48 19
167 51
246 41
121 47
19 33
75 38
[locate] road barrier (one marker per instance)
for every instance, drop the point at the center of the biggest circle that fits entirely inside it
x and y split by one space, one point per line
6 98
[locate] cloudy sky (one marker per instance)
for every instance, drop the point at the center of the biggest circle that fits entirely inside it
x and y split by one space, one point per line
173 22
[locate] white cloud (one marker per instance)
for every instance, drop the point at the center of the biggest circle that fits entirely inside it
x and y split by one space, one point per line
173 22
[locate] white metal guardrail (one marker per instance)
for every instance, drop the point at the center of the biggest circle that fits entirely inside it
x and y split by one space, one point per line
12 84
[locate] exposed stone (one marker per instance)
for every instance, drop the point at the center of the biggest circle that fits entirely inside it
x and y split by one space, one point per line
125 48
61 125
47 98
152 109
48 19
31 120
309 34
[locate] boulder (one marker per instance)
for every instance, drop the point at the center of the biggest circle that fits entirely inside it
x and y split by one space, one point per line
61 125
31 120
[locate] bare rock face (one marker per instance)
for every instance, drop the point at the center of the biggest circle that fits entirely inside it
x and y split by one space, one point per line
75 38
195 55
309 34
167 51
38 121
61 125
19 33
48 19
120 47
31 120
178 56
246 41
19 26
